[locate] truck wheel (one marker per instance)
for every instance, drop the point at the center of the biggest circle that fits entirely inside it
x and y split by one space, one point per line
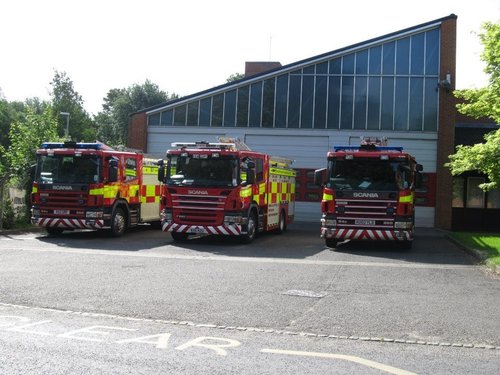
281 224
179 237
118 223
331 242
54 231
251 229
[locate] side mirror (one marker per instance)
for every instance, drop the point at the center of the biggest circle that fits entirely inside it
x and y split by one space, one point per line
250 176
418 180
419 167
113 170
318 177
161 171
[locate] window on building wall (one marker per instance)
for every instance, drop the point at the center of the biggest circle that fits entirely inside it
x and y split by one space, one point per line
154 120
362 62
375 58
493 199
373 117
401 104
217 109
458 192
242 106
432 52
268 103
360 96
388 56
387 107
230 108
205 111
281 101
255 104
403 56
333 117
475 195
294 101
320 95
417 54
416 103
180 115
346 102
192 115
307 102
390 86
430 104
167 118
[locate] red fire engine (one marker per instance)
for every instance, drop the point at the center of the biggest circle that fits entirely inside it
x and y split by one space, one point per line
224 188
92 186
368 193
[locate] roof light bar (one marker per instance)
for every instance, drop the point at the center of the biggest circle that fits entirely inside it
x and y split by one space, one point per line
75 145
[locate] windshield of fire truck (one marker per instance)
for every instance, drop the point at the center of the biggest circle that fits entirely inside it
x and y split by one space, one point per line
202 170
368 174
67 169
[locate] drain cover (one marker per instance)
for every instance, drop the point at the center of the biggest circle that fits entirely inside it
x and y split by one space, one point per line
304 293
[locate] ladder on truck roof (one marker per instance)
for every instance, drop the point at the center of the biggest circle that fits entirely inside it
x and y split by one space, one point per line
370 144
230 144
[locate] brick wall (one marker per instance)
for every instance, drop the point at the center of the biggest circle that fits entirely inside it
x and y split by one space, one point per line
446 131
138 132
256 67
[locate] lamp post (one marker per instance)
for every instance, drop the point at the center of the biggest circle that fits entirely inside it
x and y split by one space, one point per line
66 133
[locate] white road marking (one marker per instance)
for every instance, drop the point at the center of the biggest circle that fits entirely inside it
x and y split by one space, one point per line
218 348
224 258
92 330
350 358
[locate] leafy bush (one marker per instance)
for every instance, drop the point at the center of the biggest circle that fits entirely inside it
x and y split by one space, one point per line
8 215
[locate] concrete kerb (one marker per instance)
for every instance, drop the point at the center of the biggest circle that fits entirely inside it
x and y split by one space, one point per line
474 252
7 232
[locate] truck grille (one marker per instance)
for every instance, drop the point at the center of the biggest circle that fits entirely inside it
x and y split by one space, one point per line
54 202
196 209
361 212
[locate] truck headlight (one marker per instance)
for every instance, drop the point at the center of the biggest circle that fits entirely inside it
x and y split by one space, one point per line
35 212
94 214
233 219
403 224
329 222
166 215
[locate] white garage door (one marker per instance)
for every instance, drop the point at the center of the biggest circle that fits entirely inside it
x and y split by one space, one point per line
306 151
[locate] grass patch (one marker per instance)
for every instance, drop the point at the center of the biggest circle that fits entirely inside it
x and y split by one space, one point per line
487 243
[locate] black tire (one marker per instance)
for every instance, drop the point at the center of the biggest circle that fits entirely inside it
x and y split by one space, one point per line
331 243
54 231
251 229
179 237
281 224
118 223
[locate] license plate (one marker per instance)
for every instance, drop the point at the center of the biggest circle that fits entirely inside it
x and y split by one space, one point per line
61 212
197 230
364 222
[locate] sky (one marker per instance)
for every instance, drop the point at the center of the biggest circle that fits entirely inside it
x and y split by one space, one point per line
192 45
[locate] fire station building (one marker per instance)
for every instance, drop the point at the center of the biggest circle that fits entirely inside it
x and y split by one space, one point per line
397 86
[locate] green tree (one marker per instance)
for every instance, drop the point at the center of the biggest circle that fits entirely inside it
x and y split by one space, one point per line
119 104
66 99
235 77
25 136
483 102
